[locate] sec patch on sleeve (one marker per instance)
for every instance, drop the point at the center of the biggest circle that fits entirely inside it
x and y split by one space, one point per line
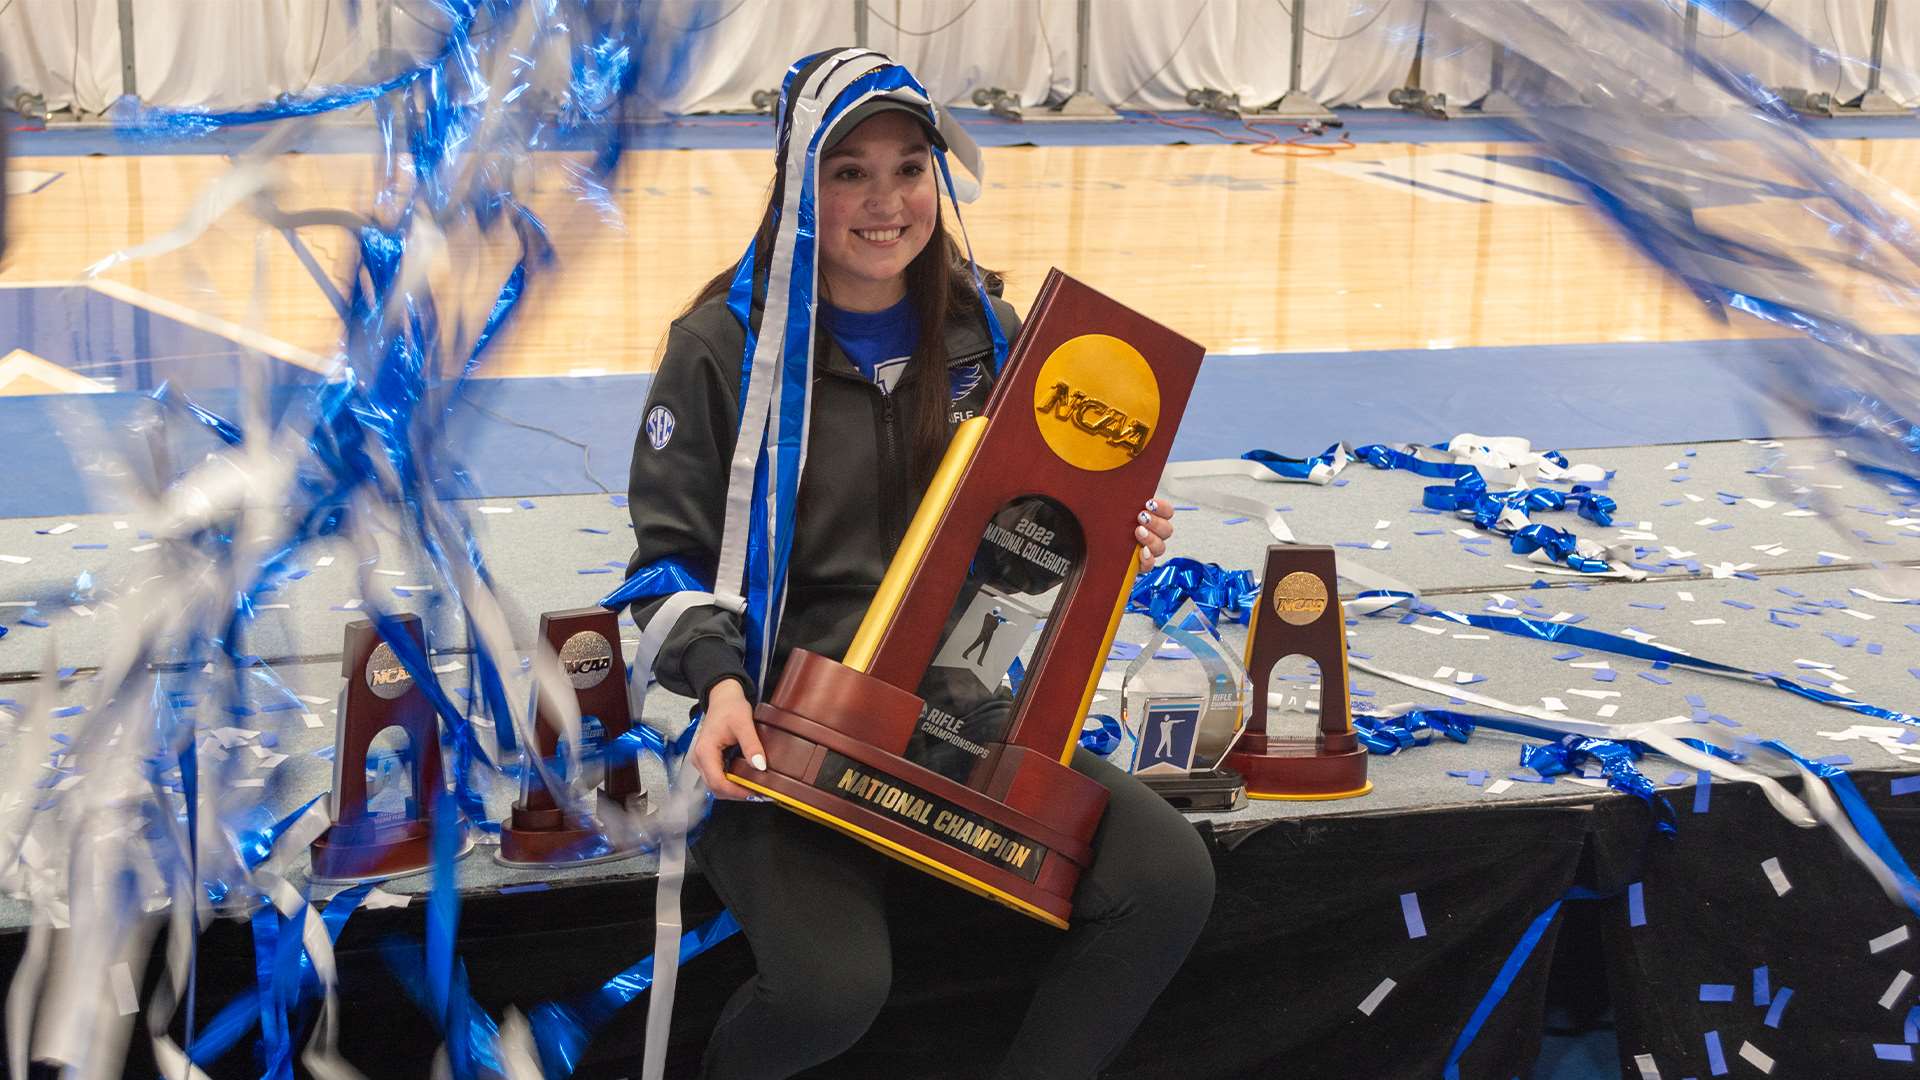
659 427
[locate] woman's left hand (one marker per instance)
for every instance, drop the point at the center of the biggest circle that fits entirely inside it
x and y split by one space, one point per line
1154 529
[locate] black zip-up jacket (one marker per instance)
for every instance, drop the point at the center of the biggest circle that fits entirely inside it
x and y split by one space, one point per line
857 493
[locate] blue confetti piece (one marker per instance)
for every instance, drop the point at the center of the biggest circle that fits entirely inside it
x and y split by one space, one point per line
1429 532
1677 777
617 500
1904 785
1123 650
1716 1060
1696 701
1912 1026
1893 1051
1570 654
1702 792
1410 910
1873 648
68 710
1573 620
529 886
1475 551
29 620
1761 993
1656 680
1741 604
596 532
527 504
1834 759
1650 606
67 672
1636 905
1720 527
1779 1006
1673 502
1239 520
1605 675
1784 591
593 570
1845 641
89 547
1716 991
1471 680
298 574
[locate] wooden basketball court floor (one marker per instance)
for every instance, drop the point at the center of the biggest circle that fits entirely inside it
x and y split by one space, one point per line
1384 246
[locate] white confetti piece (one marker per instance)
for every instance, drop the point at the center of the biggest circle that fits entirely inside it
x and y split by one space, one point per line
496 509
1597 695
1864 594
1648 1070
323 562
311 700
1426 629
1592 665
392 573
1498 786
62 529
1464 677
1685 596
1801 513
1835 556
1379 545
1813 663
1896 989
312 720
1373 1000
1691 497
451 665
1855 612
1709 622
1383 524
273 607
257 781
1443 673
81 610
148 546
1887 940
1471 637
1764 504
1777 876
1553 704
1607 711
119 524
351 605
1756 1057
124 997
1561 616
1467 533
1708 521
17 560
380 898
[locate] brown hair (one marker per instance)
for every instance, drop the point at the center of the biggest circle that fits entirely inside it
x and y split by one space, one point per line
941 289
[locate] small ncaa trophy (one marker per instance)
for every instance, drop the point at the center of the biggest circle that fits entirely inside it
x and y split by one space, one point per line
912 741
361 844
1184 712
540 832
1299 613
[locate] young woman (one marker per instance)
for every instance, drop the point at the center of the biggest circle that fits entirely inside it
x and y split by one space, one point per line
906 345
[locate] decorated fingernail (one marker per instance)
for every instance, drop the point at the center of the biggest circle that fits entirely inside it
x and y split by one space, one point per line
760 762
1143 517
1153 504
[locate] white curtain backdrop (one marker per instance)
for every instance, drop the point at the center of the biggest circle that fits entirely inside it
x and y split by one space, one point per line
1145 54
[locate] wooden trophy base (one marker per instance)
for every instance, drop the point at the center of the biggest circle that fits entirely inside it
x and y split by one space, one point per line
833 738
533 839
1217 791
1297 769
376 848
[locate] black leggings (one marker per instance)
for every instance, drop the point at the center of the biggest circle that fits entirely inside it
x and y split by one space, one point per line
812 905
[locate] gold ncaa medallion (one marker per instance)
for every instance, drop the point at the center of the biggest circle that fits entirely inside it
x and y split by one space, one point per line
1096 402
1300 598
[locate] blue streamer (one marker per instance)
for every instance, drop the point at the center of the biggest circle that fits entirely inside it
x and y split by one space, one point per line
1103 740
1222 595
1509 971
1291 468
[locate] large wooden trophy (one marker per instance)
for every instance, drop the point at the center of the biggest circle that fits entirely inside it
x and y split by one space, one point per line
914 743
362 845
1299 613
539 832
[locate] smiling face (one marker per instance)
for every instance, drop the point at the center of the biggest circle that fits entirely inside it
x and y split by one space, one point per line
877 207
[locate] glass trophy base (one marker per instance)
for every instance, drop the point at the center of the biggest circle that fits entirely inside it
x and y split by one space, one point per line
1217 791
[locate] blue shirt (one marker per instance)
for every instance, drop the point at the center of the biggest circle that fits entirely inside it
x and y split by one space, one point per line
878 342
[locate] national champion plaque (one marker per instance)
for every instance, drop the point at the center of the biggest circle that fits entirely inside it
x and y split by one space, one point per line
917 742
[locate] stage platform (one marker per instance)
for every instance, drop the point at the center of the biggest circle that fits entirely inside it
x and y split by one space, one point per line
1350 938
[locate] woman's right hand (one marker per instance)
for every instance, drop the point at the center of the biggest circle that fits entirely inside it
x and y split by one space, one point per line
727 723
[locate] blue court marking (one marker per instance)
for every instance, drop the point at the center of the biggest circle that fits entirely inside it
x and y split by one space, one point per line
1437 189
1295 403
1504 186
745 131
